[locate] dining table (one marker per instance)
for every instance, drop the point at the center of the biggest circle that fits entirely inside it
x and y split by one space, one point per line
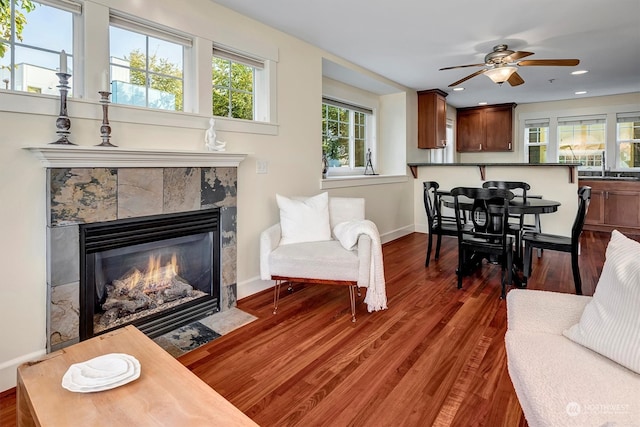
518 205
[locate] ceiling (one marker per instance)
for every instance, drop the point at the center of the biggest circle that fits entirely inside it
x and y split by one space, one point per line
407 41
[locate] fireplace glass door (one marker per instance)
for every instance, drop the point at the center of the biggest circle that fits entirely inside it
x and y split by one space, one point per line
146 273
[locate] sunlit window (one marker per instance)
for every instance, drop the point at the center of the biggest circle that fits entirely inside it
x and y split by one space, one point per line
146 65
32 35
628 140
345 139
536 140
582 140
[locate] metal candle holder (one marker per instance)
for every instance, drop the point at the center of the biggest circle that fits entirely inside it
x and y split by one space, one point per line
105 129
63 124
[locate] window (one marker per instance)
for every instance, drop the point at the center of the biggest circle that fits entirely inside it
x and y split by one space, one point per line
147 65
345 134
234 81
32 35
628 140
582 140
536 140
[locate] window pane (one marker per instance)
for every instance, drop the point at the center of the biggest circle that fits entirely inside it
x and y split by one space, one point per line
241 77
221 69
148 71
241 105
537 154
583 143
46 27
220 102
31 71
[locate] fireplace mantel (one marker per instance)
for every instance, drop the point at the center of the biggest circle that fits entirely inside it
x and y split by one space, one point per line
58 156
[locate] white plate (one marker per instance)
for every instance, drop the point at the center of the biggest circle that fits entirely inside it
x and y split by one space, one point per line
101 373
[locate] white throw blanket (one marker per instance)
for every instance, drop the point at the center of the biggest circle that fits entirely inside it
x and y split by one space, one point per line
347 233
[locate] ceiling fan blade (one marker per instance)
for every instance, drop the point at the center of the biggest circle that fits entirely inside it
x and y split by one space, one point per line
467 78
556 62
515 80
517 55
462 66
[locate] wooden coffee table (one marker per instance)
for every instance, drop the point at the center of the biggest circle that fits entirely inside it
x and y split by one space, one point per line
166 394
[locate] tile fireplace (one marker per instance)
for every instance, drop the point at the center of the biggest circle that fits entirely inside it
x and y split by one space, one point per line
88 187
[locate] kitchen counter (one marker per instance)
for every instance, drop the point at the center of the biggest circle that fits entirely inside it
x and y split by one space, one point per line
572 167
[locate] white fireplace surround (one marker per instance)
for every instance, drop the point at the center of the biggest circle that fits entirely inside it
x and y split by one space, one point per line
74 156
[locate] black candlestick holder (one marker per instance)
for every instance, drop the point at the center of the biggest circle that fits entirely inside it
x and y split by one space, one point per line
63 123
105 129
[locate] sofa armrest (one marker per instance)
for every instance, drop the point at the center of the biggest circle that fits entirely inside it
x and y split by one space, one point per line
269 240
364 257
530 310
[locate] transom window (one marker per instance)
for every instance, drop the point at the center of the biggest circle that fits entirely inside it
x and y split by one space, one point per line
147 65
32 35
234 84
536 139
582 140
345 139
628 140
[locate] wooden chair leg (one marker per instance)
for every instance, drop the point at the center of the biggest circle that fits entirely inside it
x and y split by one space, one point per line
460 267
352 297
276 296
576 272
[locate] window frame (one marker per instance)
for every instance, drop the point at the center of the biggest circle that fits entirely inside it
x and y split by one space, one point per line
75 9
598 159
540 125
259 71
369 114
633 117
149 30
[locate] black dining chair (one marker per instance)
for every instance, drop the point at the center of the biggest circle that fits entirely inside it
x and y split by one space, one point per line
517 225
560 243
489 215
437 223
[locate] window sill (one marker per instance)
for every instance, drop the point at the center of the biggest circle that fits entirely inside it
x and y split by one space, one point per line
23 102
360 180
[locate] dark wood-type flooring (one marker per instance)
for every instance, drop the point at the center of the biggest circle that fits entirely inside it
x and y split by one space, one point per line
435 357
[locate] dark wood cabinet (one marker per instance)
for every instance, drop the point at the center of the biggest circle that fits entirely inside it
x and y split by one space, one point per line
432 119
614 205
488 128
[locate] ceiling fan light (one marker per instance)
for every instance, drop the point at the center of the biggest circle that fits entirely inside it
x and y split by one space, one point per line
500 74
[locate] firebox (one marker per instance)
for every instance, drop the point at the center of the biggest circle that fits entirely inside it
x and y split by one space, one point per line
157 272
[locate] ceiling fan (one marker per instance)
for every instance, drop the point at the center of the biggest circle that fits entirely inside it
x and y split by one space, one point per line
502 65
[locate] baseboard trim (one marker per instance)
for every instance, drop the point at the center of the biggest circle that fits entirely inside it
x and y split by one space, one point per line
9 369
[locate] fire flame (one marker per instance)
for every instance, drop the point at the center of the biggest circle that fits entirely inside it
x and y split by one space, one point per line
158 276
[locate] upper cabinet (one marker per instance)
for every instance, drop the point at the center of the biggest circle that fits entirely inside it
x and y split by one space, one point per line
488 128
432 119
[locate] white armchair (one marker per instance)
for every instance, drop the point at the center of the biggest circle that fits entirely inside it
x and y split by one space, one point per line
319 262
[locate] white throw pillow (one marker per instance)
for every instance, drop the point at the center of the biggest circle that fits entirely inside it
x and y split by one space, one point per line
610 323
304 219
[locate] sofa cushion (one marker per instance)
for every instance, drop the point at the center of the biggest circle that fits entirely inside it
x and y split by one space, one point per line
304 220
610 323
311 260
561 383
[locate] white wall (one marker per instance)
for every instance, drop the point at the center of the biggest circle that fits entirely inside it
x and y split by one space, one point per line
292 154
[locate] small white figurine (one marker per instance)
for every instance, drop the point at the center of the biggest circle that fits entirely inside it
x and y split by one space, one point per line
211 142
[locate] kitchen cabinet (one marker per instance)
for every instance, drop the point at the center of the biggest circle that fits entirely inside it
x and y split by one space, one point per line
432 119
614 204
487 128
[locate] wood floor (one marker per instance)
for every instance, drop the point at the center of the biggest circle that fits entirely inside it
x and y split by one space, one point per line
435 357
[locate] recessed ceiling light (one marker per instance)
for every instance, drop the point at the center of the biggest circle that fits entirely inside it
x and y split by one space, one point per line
576 73
482 103
458 89
581 92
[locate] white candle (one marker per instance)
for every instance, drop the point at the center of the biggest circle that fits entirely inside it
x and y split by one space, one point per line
63 62
105 81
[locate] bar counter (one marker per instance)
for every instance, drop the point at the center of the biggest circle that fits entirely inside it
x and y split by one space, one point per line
571 167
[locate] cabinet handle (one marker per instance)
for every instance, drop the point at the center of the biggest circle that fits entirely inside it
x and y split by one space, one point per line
509 146
480 147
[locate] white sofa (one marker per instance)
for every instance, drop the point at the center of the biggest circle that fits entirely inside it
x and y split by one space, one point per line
559 382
